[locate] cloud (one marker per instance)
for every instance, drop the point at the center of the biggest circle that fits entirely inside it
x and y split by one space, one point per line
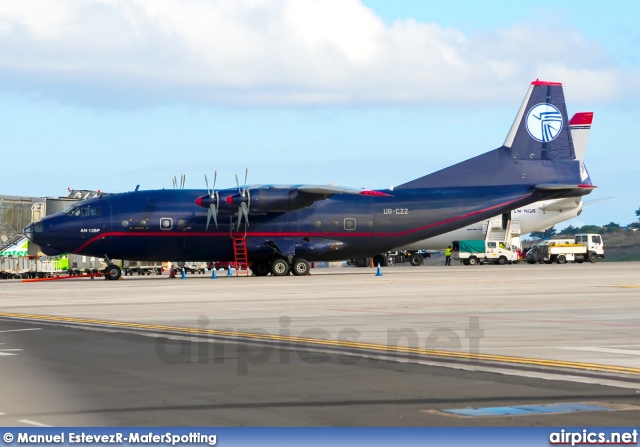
281 52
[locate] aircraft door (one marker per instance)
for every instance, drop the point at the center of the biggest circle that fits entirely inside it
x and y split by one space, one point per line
506 217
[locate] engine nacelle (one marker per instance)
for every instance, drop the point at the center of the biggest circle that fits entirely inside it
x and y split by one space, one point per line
273 200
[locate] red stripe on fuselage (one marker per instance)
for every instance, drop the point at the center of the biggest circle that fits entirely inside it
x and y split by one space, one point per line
286 234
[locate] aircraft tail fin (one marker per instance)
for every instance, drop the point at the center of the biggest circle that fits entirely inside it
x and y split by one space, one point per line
580 126
538 150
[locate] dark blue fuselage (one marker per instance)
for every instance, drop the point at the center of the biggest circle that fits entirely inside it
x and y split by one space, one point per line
164 225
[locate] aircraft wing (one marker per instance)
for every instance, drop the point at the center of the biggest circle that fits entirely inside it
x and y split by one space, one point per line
327 190
563 204
593 202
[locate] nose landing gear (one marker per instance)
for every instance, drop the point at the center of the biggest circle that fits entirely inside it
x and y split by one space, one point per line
112 272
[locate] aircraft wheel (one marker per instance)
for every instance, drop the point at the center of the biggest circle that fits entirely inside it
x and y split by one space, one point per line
260 268
280 267
380 260
300 267
531 262
416 260
362 262
561 259
113 272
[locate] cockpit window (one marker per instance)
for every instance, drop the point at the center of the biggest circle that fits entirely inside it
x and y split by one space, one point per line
73 211
83 211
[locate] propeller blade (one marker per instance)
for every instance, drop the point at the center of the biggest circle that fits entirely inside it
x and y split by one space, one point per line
207 183
245 211
175 182
215 177
211 212
237 183
244 188
182 180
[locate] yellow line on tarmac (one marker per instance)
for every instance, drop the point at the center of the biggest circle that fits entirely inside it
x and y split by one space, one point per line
334 343
631 286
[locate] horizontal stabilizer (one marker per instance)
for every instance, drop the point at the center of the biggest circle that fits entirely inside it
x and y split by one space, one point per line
560 187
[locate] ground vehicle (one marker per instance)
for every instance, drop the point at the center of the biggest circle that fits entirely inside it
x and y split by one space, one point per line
584 247
535 252
472 252
414 257
141 268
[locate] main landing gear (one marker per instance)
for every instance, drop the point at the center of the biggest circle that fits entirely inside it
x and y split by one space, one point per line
282 267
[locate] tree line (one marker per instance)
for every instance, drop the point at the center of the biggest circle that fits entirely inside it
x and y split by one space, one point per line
609 228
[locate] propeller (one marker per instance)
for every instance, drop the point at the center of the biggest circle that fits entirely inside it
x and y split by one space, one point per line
244 205
212 211
183 178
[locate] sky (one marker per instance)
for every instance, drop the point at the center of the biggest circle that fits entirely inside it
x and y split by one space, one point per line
110 94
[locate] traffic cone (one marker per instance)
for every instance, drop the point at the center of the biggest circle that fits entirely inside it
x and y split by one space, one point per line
184 274
213 273
229 271
379 272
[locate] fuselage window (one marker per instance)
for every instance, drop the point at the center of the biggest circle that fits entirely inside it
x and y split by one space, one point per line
88 211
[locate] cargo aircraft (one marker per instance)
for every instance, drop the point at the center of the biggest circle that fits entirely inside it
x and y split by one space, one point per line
281 228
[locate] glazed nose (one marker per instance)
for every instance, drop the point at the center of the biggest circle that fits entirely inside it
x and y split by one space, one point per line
28 232
31 229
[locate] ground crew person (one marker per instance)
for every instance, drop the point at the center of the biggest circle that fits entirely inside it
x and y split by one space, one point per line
447 255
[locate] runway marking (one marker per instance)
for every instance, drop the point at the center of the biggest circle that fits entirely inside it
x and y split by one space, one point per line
631 286
5 351
527 410
604 350
20 330
37 424
334 343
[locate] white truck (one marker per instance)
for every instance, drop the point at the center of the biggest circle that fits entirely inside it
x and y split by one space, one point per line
584 247
473 252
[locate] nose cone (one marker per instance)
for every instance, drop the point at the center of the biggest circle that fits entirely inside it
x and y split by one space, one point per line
51 242
199 201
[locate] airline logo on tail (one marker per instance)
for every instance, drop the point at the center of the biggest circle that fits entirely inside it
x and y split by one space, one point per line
544 122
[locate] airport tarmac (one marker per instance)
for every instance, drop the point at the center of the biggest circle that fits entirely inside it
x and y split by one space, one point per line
53 375
579 321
